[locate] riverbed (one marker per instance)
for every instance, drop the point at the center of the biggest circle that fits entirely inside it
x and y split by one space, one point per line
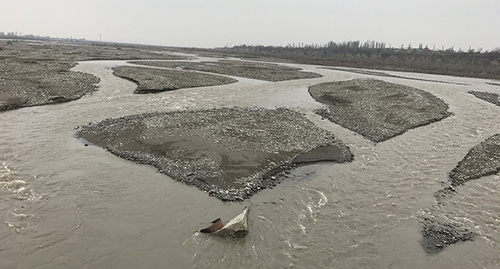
66 205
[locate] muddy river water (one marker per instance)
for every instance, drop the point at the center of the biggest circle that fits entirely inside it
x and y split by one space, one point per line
64 205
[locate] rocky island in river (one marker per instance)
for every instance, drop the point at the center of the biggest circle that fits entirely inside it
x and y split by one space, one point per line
230 153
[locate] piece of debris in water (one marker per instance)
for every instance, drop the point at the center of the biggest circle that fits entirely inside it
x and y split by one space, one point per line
216 225
236 227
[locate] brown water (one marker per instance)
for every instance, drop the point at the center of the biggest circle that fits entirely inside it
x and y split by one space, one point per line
65 205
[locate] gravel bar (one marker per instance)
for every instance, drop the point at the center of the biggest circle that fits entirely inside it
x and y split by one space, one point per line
151 80
377 109
481 160
437 236
231 153
253 70
34 73
487 96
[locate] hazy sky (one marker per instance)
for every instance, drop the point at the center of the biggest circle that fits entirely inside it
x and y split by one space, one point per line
215 23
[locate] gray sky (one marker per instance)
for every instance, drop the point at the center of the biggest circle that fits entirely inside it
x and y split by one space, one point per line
216 23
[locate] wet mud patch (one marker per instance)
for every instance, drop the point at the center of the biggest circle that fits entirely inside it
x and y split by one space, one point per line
481 160
231 153
377 109
487 96
151 80
253 70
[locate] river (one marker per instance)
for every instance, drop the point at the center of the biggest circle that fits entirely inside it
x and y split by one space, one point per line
65 205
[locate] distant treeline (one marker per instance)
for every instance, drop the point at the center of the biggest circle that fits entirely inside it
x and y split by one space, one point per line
20 36
376 55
